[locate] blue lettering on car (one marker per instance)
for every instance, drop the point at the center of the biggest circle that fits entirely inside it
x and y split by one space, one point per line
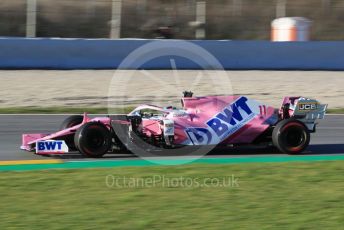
199 136
232 118
229 117
50 145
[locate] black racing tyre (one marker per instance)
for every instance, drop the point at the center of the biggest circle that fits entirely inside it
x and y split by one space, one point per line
93 139
291 136
71 121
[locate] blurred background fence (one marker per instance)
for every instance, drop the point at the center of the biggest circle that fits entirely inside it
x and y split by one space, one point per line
182 19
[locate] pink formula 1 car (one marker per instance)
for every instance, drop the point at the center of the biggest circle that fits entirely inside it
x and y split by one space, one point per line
218 121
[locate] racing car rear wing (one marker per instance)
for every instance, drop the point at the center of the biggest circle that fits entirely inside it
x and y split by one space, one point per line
304 109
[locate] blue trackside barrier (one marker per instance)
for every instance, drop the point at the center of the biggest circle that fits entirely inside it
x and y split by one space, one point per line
46 53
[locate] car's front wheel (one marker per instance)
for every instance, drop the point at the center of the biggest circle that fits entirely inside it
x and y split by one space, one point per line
71 121
291 136
93 139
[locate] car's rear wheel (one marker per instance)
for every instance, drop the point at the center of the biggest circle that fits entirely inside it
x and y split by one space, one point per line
291 136
71 121
93 139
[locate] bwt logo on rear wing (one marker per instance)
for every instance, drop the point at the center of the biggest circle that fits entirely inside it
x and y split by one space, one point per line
51 147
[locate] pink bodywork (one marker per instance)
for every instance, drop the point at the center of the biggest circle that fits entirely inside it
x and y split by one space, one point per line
202 109
194 117
199 110
29 140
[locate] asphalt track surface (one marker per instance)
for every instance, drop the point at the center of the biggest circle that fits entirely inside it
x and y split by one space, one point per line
329 139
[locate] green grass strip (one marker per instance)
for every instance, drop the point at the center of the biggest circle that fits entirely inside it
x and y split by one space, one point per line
336 111
152 162
298 195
